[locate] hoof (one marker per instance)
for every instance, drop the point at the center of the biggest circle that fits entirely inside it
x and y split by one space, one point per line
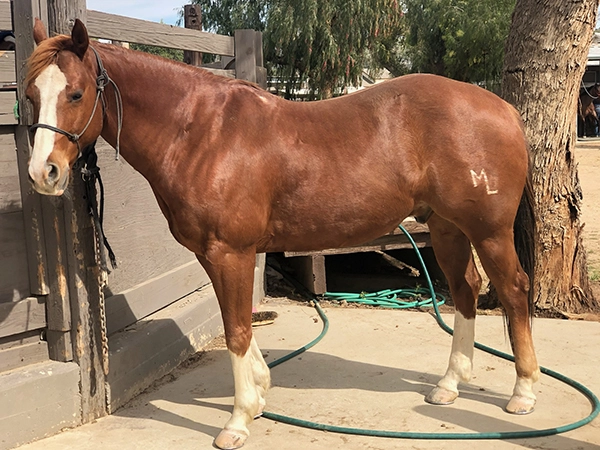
230 439
441 396
520 405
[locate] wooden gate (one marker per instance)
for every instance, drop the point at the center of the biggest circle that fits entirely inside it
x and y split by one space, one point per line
160 306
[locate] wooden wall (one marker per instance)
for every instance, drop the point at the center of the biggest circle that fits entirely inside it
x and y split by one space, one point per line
22 316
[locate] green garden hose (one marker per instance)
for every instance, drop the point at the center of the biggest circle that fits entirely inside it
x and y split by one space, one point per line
433 436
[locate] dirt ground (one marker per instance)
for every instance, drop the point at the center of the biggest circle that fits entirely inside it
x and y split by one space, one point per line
588 156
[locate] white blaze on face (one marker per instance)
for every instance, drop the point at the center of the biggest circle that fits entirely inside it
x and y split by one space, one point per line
50 83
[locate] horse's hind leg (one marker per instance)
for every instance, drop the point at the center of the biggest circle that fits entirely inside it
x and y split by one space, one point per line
500 261
232 275
453 253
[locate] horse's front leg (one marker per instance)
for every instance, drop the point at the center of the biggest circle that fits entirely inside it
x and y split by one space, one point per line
232 274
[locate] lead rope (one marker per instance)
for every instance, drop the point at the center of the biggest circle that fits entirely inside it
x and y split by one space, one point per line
90 173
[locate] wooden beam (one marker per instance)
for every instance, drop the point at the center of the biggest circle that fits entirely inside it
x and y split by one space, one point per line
126 29
245 55
24 13
35 241
392 241
192 16
80 268
310 271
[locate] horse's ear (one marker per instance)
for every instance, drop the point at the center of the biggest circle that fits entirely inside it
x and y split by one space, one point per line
39 31
80 38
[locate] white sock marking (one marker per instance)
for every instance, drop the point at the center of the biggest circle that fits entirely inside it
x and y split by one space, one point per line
251 380
461 357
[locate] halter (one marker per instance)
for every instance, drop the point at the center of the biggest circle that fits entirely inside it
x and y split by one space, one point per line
102 80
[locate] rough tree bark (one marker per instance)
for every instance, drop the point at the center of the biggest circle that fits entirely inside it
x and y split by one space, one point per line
546 54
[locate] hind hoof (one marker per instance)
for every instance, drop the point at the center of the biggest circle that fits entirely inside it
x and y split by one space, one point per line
520 405
230 439
441 396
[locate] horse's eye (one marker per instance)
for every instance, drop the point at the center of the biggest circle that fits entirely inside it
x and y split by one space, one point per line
76 96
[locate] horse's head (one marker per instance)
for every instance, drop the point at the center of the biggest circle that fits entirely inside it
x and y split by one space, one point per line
61 85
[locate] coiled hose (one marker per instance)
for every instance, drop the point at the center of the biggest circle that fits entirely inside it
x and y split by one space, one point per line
595 403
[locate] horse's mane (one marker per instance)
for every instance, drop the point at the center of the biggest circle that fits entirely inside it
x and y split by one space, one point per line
45 54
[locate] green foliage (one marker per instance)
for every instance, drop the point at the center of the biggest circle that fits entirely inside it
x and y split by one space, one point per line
168 53
328 43
461 39
324 43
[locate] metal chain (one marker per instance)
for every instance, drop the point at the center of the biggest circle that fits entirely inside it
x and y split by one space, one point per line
102 282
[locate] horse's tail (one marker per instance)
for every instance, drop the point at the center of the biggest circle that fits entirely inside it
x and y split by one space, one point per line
525 231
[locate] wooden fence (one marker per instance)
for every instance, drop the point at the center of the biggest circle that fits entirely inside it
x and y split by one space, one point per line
49 288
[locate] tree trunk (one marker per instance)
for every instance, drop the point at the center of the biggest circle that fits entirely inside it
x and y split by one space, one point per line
545 58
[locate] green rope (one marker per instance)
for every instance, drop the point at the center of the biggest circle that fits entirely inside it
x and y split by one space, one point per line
595 403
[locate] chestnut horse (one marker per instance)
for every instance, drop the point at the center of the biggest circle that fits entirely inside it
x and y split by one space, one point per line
238 171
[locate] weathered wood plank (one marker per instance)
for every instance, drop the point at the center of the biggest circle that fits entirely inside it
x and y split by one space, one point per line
5 21
156 345
393 241
82 278
144 299
192 17
135 226
310 271
388 242
7 104
14 279
7 67
37 262
24 351
25 315
245 55
24 13
10 192
126 29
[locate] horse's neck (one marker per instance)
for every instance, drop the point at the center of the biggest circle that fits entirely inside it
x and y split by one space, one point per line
156 98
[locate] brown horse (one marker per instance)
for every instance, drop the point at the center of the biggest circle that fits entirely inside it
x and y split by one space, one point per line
586 108
238 171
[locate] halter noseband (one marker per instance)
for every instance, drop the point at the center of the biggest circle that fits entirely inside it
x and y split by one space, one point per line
102 80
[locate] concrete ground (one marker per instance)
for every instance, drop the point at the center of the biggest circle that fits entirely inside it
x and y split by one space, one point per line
371 371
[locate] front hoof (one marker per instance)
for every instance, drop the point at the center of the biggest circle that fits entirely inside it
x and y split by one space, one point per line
441 396
520 405
230 439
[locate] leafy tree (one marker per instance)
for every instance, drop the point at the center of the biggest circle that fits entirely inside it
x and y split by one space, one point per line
461 39
325 43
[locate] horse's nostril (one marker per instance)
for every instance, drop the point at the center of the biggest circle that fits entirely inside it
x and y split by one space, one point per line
53 173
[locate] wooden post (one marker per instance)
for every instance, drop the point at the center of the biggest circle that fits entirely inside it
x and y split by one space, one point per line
192 16
79 261
249 57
